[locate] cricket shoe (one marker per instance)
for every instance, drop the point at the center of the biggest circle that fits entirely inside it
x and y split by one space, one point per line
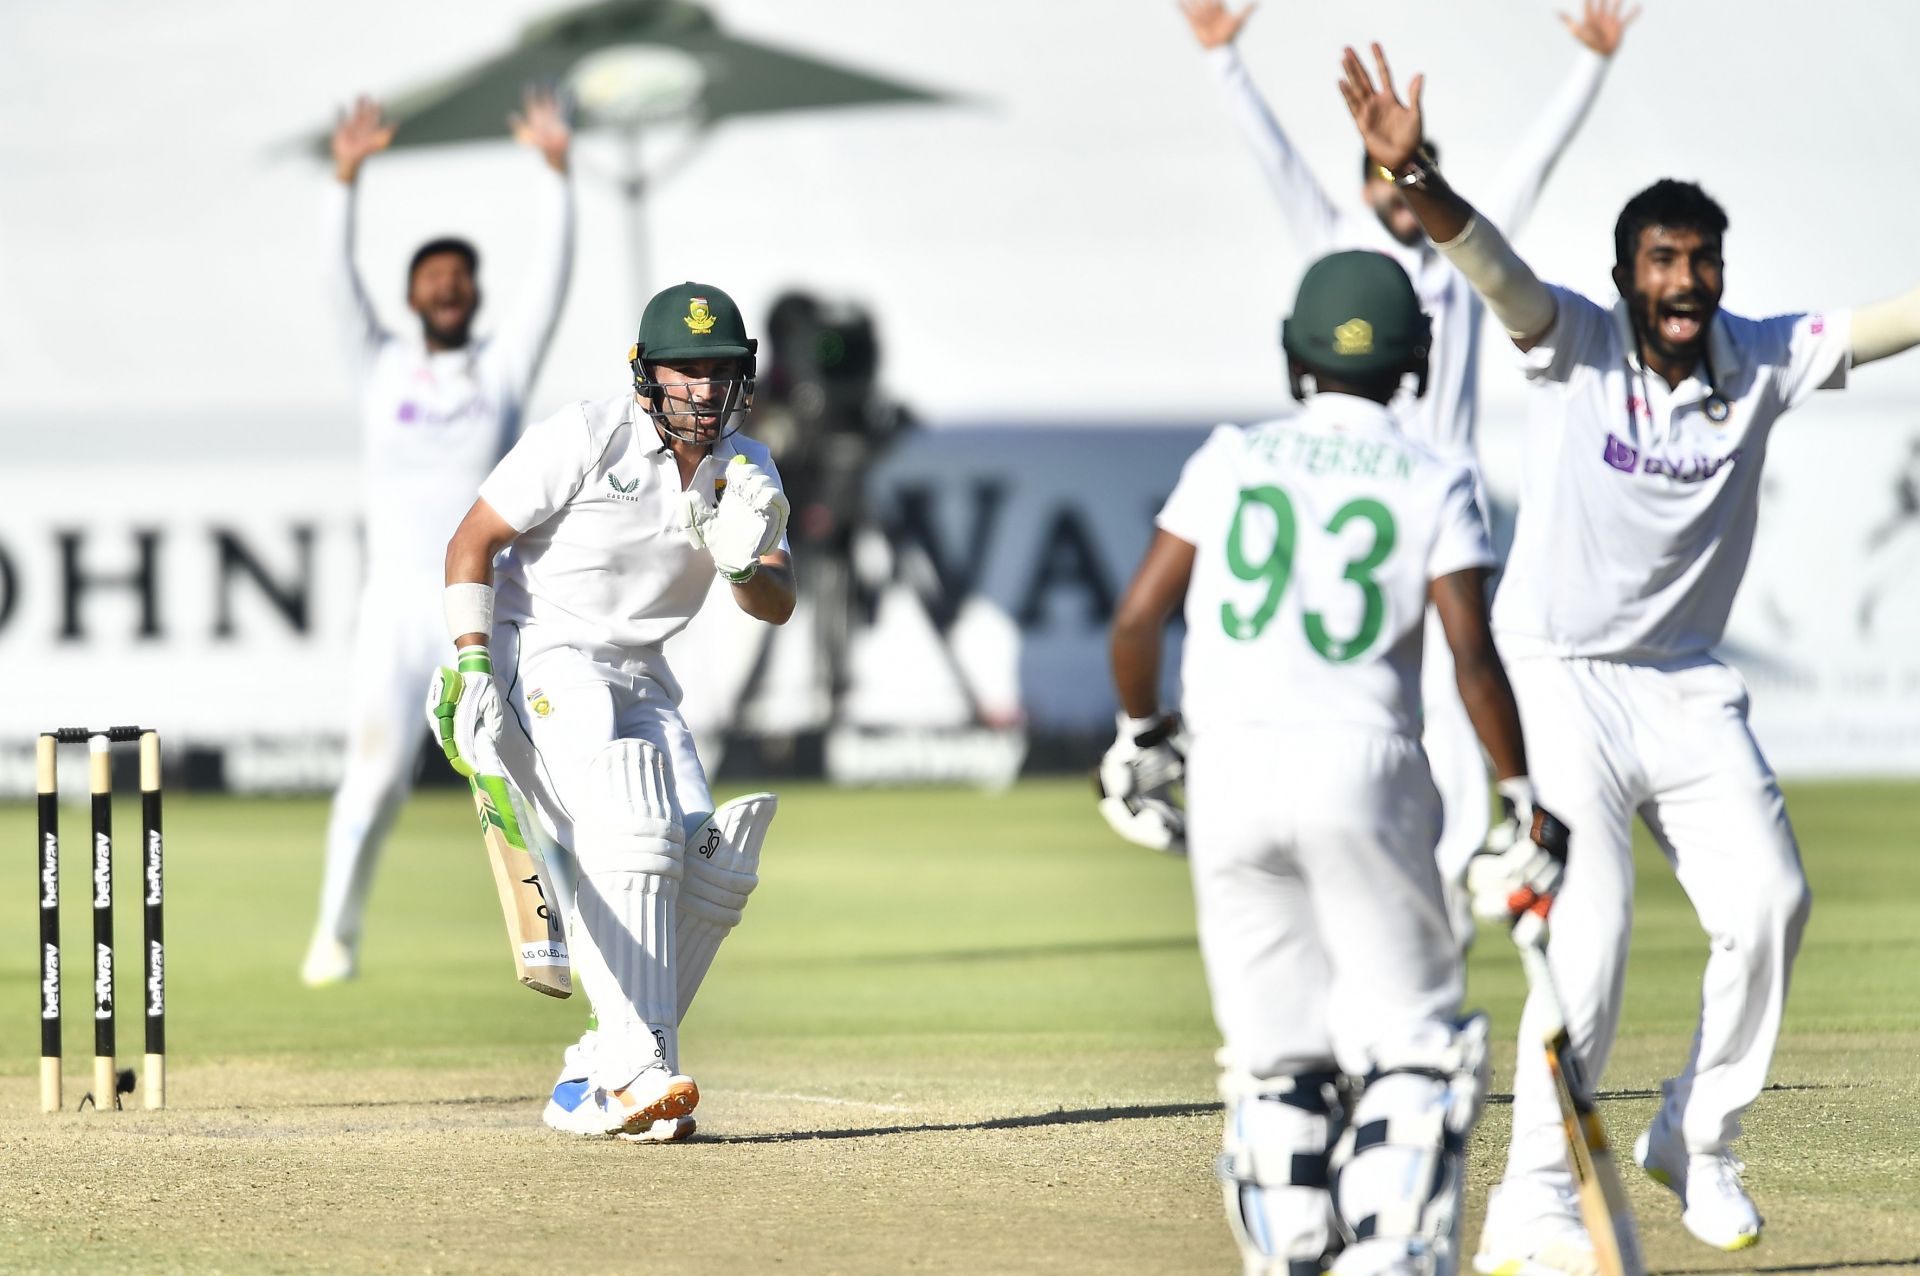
657 1094
577 1108
1532 1229
1716 1207
328 962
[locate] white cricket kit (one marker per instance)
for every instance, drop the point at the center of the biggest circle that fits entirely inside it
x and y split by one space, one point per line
1444 418
433 425
599 577
1636 520
1312 817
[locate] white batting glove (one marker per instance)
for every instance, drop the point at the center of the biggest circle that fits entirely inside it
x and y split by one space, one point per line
1136 780
1513 878
463 712
748 520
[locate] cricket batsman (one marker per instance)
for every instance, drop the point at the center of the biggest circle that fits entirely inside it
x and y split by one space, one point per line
437 410
1443 419
1641 489
1307 550
593 542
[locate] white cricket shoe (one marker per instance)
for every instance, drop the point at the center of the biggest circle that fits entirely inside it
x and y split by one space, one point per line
328 962
1715 1204
578 1109
1533 1229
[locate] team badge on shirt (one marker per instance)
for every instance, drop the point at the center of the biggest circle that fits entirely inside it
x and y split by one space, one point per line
700 319
1355 336
538 702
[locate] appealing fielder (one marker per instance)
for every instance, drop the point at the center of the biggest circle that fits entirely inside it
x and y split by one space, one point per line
1639 498
437 411
1306 550
1443 419
609 520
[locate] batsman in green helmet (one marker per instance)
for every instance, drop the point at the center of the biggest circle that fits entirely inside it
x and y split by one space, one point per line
1304 552
592 543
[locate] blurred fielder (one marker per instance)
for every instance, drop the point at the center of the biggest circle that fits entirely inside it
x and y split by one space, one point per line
609 520
1443 420
1306 550
1637 514
438 411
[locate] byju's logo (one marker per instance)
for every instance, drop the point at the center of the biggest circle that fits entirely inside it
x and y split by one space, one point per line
1621 456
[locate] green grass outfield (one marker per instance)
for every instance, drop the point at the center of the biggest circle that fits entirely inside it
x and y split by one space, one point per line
956 1033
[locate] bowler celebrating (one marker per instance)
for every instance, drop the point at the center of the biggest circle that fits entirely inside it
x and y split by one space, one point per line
609 520
1641 489
437 411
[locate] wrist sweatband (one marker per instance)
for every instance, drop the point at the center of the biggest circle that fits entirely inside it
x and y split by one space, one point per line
469 610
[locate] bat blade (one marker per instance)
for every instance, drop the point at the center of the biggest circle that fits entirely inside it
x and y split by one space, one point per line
1603 1197
535 933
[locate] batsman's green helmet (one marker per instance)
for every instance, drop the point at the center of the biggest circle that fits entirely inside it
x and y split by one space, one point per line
692 321
1356 315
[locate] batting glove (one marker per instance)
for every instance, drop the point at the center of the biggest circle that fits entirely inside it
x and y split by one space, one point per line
748 520
463 712
1136 780
1513 878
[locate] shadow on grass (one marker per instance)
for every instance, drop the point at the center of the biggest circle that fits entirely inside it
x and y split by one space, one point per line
1607 1096
1837 1265
1076 1116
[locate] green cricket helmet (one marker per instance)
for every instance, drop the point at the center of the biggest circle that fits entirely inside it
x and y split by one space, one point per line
687 323
1357 317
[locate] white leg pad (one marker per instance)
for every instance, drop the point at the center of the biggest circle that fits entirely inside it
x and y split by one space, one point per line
628 841
722 868
1399 1170
1273 1170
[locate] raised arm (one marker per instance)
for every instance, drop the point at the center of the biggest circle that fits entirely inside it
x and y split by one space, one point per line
1516 190
1309 213
541 123
1886 328
1391 130
360 133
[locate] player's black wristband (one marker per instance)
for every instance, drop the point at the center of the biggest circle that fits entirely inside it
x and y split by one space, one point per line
1160 732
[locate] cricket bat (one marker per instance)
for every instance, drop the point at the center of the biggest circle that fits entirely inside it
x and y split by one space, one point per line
1603 1199
535 931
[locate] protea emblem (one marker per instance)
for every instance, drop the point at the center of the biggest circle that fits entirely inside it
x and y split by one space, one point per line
700 319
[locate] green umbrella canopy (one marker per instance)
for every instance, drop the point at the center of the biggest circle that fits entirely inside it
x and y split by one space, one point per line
629 61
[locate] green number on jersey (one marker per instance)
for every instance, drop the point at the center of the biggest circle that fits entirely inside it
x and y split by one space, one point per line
1277 568
1360 572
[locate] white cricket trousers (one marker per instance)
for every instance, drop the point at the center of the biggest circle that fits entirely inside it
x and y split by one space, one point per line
399 639
1606 739
1321 922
